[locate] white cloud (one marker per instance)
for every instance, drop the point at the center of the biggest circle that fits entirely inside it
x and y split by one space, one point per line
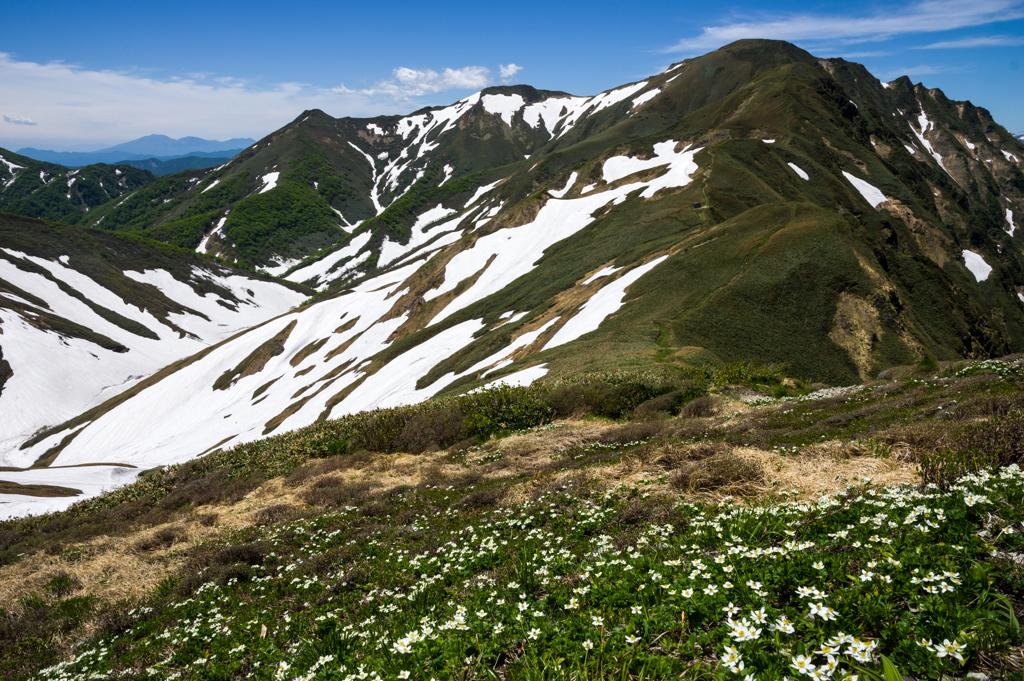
508 71
19 120
922 17
408 83
980 41
79 108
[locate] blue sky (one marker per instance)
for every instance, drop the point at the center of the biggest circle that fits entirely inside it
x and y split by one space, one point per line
83 75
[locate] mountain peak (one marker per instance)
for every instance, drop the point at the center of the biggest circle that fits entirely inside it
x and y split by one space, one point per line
529 93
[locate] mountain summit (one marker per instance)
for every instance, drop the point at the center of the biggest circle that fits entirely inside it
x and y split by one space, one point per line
754 204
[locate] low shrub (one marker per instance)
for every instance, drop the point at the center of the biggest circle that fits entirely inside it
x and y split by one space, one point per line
62 585
335 492
432 430
700 407
214 488
278 513
162 538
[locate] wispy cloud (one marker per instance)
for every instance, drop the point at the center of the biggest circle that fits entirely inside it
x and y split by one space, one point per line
979 41
508 71
19 120
405 83
81 108
923 70
921 17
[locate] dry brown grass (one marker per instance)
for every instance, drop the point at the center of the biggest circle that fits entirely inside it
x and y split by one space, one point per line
113 568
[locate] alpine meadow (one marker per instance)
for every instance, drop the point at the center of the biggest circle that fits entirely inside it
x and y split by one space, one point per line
714 375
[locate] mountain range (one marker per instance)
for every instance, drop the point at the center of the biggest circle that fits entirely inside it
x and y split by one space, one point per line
753 204
160 147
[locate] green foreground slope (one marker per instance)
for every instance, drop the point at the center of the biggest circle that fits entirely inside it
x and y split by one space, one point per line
674 544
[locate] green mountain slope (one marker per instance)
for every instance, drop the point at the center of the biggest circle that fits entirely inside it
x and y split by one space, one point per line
176 165
48 191
754 204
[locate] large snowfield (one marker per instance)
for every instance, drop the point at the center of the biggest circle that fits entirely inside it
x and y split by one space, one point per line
146 431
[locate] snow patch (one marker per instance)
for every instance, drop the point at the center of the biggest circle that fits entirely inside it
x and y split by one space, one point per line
480 191
270 181
91 480
799 171
1009 156
212 185
376 129
11 167
559 193
977 265
56 378
870 192
279 266
602 273
926 125
603 303
680 167
549 111
391 251
218 230
645 97
1009 220
519 378
505 106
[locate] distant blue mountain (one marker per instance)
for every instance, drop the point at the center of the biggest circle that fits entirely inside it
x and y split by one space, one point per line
160 147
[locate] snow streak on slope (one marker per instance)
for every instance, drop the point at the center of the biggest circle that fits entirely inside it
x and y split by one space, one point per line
579 109
601 304
516 250
391 251
645 97
799 171
926 125
870 192
559 193
319 274
218 230
601 273
57 377
549 111
680 167
524 377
